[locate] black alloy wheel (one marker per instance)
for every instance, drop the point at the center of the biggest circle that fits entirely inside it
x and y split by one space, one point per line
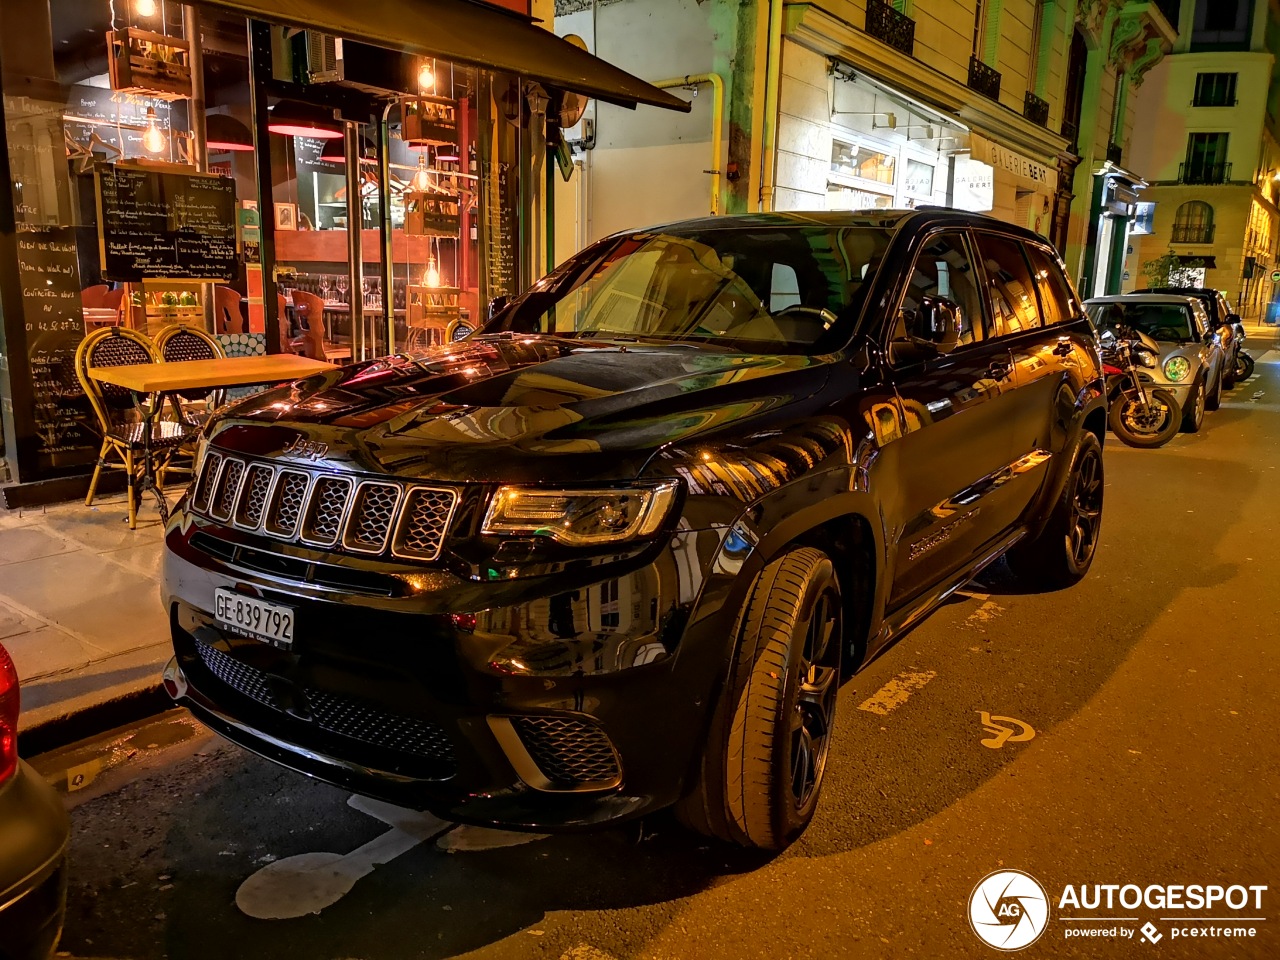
762 767
1063 551
1193 416
1244 366
1145 425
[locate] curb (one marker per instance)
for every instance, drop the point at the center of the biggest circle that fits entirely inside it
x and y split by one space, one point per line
127 708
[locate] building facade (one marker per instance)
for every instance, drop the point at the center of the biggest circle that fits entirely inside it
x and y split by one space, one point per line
1206 133
1017 108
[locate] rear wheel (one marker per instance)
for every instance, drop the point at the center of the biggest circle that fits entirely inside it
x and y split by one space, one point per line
1214 400
1061 555
1244 366
1193 416
763 763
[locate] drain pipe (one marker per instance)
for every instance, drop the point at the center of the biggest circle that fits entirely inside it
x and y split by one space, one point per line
769 126
717 123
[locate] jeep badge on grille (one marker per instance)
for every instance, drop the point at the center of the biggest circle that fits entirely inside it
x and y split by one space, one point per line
311 449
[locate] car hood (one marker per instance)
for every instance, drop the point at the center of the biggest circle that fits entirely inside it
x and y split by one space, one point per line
520 408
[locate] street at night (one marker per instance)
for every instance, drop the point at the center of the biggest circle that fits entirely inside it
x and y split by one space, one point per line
1151 688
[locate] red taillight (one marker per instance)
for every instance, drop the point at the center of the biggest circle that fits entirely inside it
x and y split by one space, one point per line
1111 371
8 715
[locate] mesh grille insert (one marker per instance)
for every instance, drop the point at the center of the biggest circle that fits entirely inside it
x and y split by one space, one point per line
371 516
208 475
569 751
228 487
324 513
286 504
423 525
254 500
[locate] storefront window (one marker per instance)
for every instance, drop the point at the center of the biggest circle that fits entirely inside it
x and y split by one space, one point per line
860 161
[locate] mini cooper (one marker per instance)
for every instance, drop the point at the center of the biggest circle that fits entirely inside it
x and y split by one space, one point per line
615 551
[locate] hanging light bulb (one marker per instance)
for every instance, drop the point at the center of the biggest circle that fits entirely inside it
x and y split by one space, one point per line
145 8
431 276
422 176
426 77
153 139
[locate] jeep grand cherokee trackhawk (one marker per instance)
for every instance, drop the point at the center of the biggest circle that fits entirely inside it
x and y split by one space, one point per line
613 552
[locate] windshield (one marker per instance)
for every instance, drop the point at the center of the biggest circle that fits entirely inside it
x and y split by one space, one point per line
769 290
1170 322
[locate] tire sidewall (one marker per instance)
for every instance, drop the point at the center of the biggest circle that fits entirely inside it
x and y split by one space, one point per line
1087 447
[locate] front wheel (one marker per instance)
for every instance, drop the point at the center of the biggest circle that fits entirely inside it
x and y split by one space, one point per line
763 763
1193 416
1244 366
1063 552
1149 426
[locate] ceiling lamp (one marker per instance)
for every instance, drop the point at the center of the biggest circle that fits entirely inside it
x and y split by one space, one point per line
153 138
431 276
426 77
295 119
145 8
225 134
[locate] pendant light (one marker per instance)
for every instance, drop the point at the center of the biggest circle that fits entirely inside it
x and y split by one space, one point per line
431 276
153 138
226 134
294 119
426 77
145 8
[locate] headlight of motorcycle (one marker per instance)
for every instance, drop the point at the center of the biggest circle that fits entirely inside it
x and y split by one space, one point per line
1146 358
1177 369
581 517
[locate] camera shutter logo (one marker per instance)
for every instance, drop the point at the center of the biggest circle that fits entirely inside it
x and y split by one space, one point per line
1008 910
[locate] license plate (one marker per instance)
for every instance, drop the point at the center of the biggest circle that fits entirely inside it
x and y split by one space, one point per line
253 617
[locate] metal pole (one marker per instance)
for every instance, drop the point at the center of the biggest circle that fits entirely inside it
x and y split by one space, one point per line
384 227
355 230
260 66
196 122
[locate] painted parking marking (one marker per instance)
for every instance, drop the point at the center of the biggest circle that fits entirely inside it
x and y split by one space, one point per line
1004 730
309 882
1271 356
896 692
467 838
984 614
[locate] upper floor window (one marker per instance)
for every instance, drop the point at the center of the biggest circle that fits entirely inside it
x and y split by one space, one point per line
1215 90
1206 159
1193 223
1222 25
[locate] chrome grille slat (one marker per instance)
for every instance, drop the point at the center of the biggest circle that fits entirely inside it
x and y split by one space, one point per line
423 523
320 508
372 512
253 501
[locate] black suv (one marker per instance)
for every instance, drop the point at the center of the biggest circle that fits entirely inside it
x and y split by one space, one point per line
614 551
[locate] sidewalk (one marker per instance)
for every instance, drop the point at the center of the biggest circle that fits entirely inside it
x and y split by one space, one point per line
80 614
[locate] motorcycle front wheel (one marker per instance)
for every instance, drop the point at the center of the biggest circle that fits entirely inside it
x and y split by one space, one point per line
1153 426
1244 366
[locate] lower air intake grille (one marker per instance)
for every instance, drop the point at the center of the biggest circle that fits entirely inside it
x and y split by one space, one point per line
570 752
238 676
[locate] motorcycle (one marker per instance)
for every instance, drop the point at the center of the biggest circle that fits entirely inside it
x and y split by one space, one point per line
1140 415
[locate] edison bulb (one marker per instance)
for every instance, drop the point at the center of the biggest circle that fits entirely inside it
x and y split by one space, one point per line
145 8
426 77
431 277
153 138
421 177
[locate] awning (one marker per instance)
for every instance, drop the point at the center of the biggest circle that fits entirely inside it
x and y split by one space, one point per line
466 32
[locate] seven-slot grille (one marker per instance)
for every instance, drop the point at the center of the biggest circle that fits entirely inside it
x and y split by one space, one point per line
324 509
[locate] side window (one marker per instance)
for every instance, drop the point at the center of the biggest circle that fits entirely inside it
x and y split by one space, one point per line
1009 286
1056 299
942 269
784 288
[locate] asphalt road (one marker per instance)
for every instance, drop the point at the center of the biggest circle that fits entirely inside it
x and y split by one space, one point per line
1151 688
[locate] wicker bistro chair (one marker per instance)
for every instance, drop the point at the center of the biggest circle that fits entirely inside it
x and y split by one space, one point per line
180 341
125 439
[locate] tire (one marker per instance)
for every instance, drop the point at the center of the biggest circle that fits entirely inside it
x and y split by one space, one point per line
1214 400
762 766
1244 366
1154 429
1063 552
1193 414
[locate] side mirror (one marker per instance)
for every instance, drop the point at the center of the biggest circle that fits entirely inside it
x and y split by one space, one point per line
1234 318
940 323
496 306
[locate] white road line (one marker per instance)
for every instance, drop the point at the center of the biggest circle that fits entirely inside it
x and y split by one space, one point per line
896 692
484 838
1271 356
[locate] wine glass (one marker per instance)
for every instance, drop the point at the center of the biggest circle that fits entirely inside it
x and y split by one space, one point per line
342 288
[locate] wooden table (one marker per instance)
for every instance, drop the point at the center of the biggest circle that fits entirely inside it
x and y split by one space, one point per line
162 379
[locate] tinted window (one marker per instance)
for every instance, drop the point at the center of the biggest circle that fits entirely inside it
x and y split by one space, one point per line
1170 322
1009 286
783 290
942 269
1055 293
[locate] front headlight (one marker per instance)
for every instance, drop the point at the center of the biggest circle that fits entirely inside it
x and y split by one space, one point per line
581 517
1146 358
1177 369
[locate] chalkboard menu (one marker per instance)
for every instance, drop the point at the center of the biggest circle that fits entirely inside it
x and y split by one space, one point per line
50 278
165 225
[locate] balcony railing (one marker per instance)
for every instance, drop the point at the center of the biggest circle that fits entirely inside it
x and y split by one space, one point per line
1204 172
984 79
1193 233
1035 109
888 25
1072 132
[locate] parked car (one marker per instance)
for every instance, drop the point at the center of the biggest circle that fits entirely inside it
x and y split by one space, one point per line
1192 364
613 552
1226 325
34 835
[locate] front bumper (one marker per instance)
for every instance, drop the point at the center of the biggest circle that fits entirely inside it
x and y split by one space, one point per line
554 711
34 834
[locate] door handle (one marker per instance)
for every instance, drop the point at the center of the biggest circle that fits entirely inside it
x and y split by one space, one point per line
1063 349
998 369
